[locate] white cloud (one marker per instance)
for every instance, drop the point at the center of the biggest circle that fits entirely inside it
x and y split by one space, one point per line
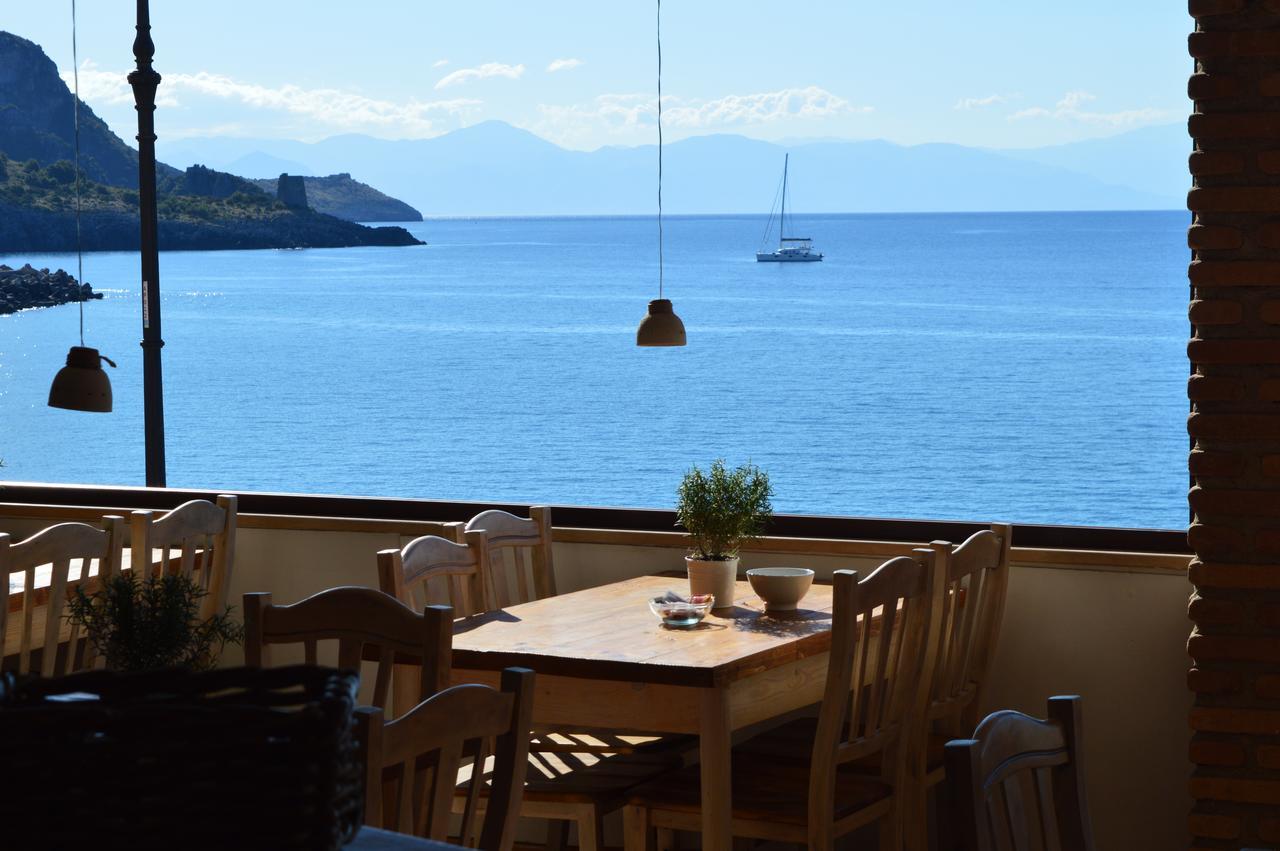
334 108
621 116
440 63
1070 108
978 103
489 69
563 65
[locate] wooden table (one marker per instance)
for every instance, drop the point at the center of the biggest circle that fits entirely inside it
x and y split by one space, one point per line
604 660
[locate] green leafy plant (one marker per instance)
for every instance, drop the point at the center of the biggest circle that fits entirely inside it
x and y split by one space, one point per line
154 623
723 509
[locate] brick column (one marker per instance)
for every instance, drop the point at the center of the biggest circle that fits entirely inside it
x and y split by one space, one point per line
1235 424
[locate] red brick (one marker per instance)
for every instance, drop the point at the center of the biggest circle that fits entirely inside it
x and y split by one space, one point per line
1269 615
1253 577
1235 44
1267 686
1202 388
1204 86
1217 752
1268 756
1268 235
1215 312
1213 827
1234 273
1211 464
1235 648
1257 351
1239 199
1208 8
1238 790
1269 161
1267 542
1208 502
1214 682
1270 465
1269 86
1269 312
1269 390
1207 164
1269 829
1216 540
1236 426
1234 125
1214 613
1213 237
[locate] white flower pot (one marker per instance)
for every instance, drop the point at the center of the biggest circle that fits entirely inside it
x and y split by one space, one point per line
713 577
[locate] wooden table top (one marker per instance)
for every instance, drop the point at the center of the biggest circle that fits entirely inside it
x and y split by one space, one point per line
609 633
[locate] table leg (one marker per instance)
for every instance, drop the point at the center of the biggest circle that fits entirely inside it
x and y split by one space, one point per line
715 742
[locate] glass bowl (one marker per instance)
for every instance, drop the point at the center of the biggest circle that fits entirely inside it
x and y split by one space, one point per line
682 613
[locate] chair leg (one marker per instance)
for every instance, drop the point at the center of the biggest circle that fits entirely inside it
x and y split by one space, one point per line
891 827
557 834
636 832
666 839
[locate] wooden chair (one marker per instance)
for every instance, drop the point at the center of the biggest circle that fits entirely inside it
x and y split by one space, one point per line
518 550
1018 784
418 756
428 569
39 624
205 535
879 655
359 619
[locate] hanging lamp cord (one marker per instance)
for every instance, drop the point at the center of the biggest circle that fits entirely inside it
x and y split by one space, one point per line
660 258
75 73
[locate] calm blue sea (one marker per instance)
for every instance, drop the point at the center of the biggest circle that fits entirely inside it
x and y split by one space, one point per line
1026 367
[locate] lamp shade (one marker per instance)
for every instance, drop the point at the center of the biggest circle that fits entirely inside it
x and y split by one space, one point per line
660 326
82 385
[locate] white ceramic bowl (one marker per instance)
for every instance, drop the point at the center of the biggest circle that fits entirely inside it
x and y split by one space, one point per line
781 588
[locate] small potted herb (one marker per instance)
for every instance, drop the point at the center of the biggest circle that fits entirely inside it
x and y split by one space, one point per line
721 510
140 626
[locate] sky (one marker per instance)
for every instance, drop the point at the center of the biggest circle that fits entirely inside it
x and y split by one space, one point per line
990 73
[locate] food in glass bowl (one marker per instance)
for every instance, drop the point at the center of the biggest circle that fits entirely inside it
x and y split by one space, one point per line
681 612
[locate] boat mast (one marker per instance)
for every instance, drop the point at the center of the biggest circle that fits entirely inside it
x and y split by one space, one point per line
782 221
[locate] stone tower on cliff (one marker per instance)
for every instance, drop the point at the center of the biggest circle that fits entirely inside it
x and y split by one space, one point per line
292 191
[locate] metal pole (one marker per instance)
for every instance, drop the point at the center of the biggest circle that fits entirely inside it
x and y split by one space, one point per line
144 82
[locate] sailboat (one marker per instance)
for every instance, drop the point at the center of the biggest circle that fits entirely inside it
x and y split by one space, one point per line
791 249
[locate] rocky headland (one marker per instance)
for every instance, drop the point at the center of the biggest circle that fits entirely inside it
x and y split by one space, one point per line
25 288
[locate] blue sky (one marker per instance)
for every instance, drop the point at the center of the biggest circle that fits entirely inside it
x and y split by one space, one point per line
988 73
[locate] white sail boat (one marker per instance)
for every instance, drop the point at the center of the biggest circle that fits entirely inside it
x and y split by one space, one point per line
791 249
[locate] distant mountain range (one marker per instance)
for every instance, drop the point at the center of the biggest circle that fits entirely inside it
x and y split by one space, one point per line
496 169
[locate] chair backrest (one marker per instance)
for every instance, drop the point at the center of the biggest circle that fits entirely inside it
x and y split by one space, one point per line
368 626
519 551
879 654
457 570
203 532
977 577
38 623
415 760
1018 784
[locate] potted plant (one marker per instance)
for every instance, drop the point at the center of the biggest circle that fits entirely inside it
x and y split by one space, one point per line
721 510
140 626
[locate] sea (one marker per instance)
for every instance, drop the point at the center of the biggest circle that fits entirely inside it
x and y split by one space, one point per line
1023 367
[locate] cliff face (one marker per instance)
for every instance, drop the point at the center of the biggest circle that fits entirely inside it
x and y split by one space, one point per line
197 209
36 118
342 196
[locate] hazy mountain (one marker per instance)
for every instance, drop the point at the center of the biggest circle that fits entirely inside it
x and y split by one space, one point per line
496 169
1150 159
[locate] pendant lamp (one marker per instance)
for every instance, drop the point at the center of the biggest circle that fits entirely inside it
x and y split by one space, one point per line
81 385
660 326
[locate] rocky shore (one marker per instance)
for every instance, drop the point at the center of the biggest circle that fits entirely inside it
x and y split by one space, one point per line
28 287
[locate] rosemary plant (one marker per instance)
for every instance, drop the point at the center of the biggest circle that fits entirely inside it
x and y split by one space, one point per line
723 509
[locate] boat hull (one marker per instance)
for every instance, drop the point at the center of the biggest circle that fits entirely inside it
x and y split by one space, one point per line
785 257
